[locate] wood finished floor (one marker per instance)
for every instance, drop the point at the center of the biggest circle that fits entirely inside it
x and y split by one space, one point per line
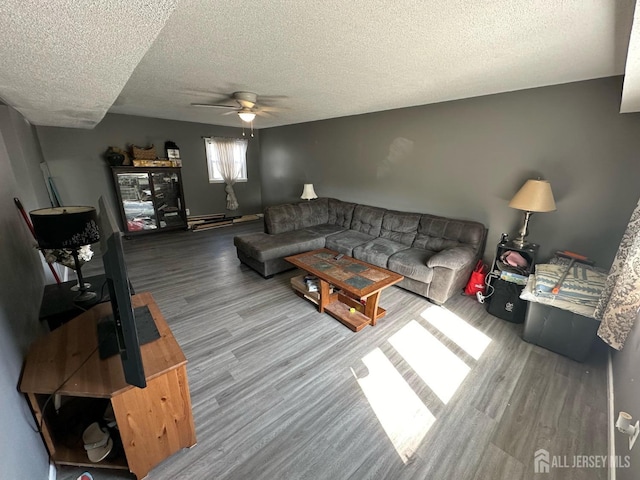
278 390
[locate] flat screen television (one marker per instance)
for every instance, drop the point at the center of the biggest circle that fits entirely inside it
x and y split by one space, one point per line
127 328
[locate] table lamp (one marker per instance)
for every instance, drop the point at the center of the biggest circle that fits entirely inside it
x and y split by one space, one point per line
307 192
534 196
67 228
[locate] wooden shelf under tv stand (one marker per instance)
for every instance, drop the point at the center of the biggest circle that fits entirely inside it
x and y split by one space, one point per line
153 422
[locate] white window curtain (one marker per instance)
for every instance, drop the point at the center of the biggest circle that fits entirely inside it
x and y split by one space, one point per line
227 160
620 299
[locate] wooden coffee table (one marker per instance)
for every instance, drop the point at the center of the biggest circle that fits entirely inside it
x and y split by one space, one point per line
355 304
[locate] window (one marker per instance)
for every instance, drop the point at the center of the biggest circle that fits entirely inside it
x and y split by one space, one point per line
226 159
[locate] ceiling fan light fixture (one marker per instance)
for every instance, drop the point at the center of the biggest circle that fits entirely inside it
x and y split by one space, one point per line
247 116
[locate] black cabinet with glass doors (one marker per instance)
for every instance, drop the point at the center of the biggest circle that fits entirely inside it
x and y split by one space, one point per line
151 199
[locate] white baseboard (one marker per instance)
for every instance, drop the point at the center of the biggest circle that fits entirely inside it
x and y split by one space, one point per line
611 421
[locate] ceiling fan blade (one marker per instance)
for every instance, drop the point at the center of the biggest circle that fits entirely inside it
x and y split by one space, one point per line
271 99
263 108
211 105
231 112
263 113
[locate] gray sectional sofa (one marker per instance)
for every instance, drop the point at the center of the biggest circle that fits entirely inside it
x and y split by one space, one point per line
435 254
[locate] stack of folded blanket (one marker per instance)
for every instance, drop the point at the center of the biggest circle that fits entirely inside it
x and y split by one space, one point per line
580 290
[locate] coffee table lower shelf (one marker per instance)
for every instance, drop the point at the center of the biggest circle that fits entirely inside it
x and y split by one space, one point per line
298 285
339 307
356 320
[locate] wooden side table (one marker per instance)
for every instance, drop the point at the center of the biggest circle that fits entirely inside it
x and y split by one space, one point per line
154 422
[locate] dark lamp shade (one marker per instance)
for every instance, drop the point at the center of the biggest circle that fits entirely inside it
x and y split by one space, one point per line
65 227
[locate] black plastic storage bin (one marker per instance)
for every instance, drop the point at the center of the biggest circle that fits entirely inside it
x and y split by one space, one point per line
560 331
505 301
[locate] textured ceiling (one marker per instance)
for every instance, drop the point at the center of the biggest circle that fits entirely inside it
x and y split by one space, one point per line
631 89
313 60
64 62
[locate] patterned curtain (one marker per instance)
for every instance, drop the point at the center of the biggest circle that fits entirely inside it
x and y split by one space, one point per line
620 300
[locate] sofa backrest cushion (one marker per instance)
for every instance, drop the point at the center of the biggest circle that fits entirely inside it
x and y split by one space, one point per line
400 226
281 218
439 233
340 213
367 219
313 212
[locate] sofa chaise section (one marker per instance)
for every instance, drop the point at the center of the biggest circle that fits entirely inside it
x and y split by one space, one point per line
265 253
290 229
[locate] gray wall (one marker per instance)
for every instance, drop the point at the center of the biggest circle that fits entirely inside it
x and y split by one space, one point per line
469 157
22 452
626 382
75 159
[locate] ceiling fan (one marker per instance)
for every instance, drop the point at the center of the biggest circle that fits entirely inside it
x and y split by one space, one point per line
246 106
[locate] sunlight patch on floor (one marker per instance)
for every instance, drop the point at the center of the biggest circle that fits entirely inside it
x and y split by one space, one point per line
437 366
403 416
469 338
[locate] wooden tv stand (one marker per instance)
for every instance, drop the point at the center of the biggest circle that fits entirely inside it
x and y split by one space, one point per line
153 422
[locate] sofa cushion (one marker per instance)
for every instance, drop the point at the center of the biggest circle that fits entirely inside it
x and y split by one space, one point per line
345 242
378 251
281 218
400 226
340 213
438 233
326 229
412 263
313 212
264 247
367 220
